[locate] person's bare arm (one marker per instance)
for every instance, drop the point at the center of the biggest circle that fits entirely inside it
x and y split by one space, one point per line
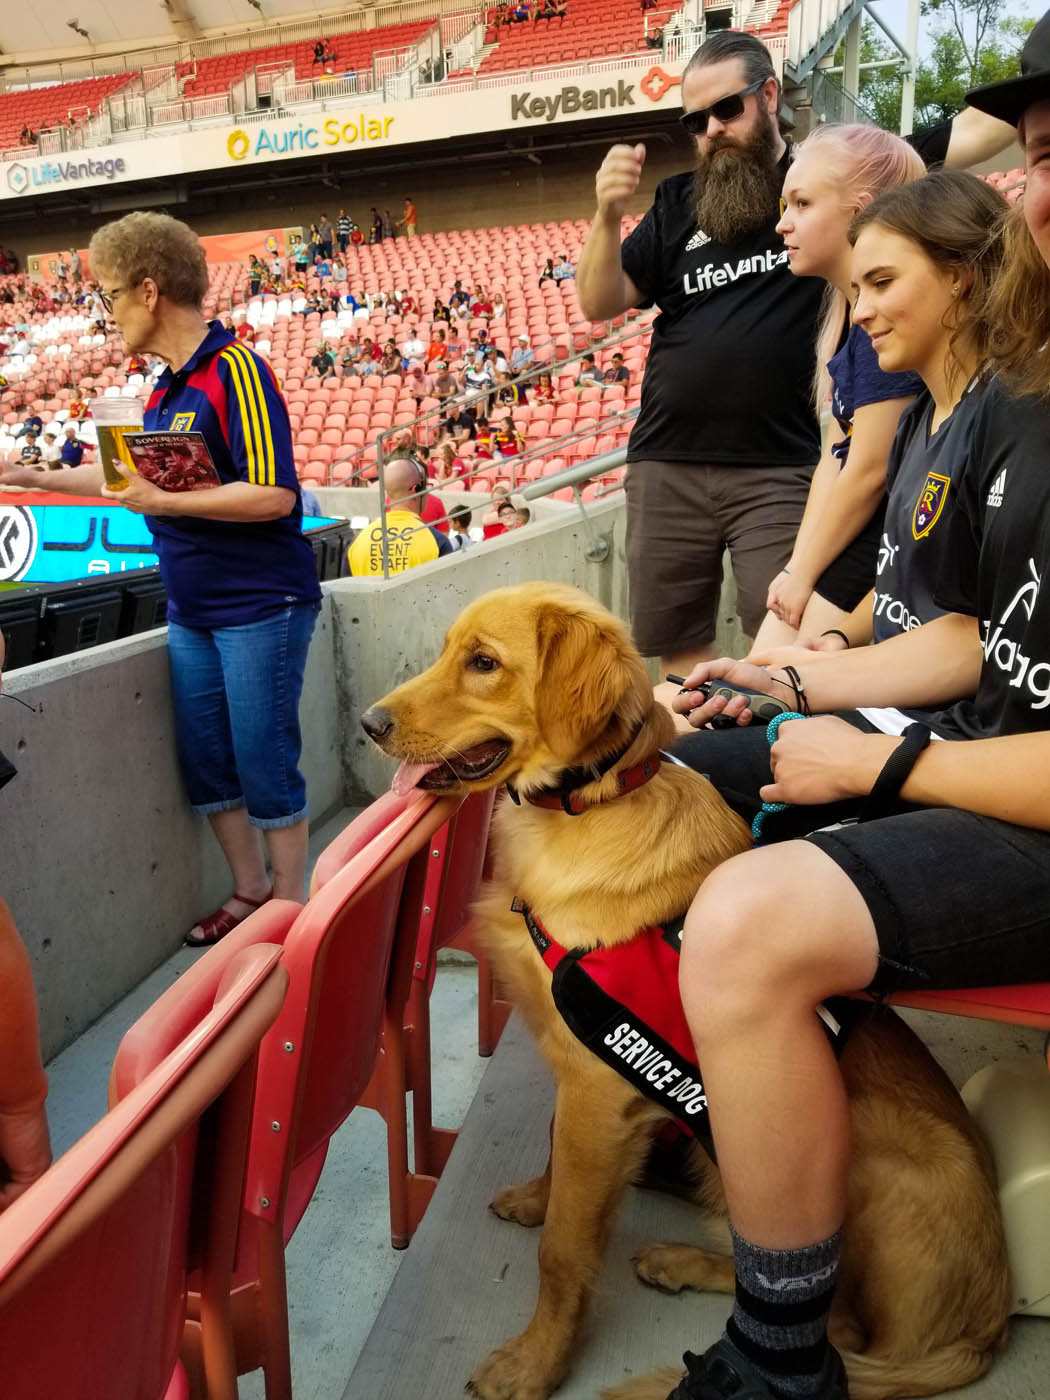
71 481
932 665
604 289
25 1149
976 137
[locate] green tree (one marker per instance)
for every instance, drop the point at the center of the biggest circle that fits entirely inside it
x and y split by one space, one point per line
971 42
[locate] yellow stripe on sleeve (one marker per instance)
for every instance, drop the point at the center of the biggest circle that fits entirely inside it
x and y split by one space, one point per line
253 385
249 430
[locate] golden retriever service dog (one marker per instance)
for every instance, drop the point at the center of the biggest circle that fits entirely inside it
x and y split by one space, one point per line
537 681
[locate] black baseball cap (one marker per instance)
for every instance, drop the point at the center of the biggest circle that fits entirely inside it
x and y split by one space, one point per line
1010 100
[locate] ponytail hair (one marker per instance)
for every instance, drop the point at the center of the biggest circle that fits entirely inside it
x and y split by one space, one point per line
864 161
957 221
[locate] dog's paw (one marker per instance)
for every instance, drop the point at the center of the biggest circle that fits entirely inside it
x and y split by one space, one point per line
526 1204
512 1372
672 1267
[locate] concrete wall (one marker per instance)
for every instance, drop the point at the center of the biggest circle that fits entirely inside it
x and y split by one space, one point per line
102 863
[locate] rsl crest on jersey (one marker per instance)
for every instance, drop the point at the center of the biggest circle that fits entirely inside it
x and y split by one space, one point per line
930 505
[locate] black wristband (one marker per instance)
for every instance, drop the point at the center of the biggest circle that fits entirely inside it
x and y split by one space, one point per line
836 632
882 798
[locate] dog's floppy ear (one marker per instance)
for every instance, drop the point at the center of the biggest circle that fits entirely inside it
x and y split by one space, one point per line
586 674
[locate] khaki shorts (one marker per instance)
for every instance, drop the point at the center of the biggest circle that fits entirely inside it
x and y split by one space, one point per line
681 517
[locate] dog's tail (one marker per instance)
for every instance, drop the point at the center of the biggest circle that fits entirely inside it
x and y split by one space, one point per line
870 1377
945 1368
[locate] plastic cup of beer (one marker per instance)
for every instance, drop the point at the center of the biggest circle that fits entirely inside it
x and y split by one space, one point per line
113 418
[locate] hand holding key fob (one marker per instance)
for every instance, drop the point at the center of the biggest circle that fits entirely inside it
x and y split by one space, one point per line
763 707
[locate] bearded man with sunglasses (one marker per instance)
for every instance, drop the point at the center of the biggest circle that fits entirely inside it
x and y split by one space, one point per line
726 439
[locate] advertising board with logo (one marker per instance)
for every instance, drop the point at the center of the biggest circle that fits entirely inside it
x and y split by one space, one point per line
345 129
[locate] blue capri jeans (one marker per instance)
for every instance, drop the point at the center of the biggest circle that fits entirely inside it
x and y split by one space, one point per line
236 693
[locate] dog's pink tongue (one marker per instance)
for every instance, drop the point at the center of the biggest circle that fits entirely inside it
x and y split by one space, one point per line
408 775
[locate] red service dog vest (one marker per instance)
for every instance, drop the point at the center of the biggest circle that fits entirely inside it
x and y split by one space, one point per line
623 1004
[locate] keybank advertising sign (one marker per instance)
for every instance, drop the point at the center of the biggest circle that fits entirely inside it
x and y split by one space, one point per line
343 130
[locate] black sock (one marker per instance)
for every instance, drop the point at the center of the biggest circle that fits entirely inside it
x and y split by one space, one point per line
779 1322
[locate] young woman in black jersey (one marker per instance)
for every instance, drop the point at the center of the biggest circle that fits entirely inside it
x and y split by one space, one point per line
945 884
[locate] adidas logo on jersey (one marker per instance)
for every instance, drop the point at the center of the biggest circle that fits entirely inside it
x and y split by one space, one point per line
698 240
995 495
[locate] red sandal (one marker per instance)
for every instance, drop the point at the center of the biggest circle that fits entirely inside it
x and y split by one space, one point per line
219 924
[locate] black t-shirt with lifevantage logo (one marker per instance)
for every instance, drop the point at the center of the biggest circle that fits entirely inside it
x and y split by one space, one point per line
730 369
998 556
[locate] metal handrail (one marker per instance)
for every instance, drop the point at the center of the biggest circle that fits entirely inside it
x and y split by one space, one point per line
465 398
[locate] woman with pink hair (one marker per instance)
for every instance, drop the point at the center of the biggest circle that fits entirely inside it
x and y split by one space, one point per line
838 171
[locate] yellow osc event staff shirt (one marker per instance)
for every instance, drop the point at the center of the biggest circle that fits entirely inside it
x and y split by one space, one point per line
409 542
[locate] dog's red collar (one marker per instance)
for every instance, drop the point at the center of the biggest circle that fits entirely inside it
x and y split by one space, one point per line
570 801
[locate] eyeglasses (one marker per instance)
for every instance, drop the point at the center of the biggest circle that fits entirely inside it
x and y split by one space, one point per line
726 109
108 298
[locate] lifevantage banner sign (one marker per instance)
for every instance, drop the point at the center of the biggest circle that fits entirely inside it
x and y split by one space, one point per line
346 129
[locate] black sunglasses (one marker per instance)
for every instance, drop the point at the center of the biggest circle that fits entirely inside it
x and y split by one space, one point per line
726 109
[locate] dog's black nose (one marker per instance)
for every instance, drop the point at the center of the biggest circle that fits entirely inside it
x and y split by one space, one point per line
376 723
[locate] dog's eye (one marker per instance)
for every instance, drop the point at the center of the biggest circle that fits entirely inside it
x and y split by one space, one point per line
481 662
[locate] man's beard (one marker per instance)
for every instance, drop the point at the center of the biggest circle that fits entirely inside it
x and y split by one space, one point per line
736 188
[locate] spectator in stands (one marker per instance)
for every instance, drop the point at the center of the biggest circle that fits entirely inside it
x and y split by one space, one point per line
407 304
547 9
459 297
447 466
322 267
501 14
78 411
375 227
590 375
240 577
438 348
523 356
418 382
52 450
459 518
370 358
617 373
356 236
460 425
445 385
412 347
409 541
343 225
408 218
841 538
655 38
325 236
648 4
256 272
483 438
441 312
455 345
303 255
564 270
61 268
331 58
389 226
511 517
76 266
31 454
426 71
319 51
27 136
73 449
507 441
547 272
481 304
543 389
31 423
478 377
350 356
507 391
323 361
490 521
499 307
521 11
391 361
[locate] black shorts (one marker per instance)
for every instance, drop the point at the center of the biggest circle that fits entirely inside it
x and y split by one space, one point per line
957 900
849 577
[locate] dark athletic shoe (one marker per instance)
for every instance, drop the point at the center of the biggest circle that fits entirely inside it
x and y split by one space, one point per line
723 1373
